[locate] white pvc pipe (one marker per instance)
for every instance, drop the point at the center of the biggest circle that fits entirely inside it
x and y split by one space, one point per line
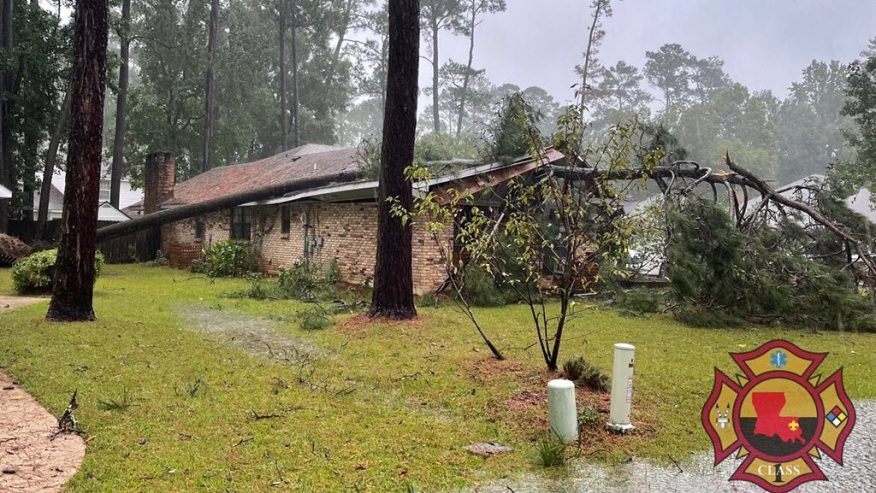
622 388
563 412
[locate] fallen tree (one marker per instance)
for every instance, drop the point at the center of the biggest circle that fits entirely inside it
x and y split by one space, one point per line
178 213
12 249
769 194
680 178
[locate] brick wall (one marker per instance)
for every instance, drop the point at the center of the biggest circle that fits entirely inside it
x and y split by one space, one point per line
344 232
178 240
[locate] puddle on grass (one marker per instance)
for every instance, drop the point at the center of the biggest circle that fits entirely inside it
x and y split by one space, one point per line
261 337
254 335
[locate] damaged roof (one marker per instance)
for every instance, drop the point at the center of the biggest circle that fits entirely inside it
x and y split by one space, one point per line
315 161
307 161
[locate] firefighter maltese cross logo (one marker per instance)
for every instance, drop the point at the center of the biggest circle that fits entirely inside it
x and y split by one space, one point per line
778 416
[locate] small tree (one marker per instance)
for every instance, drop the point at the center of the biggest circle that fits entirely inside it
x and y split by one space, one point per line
560 226
581 225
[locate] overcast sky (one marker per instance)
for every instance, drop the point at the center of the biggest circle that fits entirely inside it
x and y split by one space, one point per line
765 43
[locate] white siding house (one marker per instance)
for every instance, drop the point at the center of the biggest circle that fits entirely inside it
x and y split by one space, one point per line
106 212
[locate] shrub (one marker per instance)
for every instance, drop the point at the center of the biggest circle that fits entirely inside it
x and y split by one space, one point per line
299 282
308 282
227 259
588 417
258 289
315 318
332 272
428 299
638 301
586 375
35 273
160 258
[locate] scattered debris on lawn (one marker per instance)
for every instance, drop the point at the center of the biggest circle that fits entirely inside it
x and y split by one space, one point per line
12 249
254 335
527 399
67 422
487 449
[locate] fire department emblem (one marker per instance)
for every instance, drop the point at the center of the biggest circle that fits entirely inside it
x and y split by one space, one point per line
778 415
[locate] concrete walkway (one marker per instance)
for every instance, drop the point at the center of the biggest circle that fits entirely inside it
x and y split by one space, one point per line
10 302
30 460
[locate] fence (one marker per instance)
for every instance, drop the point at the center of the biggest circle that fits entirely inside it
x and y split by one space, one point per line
135 247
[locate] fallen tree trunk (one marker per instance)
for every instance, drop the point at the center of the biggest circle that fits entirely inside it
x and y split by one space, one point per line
660 173
181 212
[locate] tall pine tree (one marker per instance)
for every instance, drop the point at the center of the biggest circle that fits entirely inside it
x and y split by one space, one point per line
393 295
73 291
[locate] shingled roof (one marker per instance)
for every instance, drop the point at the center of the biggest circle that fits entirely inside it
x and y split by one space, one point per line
307 161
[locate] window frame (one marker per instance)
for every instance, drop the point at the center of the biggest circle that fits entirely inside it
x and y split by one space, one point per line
200 229
241 224
104 194
285 222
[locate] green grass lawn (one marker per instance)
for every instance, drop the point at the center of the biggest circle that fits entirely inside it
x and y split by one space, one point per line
384 407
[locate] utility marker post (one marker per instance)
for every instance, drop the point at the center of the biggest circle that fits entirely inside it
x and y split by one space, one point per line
562 409
622 389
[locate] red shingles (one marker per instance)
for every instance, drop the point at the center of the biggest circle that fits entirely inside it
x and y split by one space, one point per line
281 168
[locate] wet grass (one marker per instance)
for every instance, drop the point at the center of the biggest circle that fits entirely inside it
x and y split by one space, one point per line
383 407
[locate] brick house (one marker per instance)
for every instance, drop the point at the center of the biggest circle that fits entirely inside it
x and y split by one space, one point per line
335 222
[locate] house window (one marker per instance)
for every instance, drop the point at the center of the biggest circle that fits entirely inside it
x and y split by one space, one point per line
104 190
285 221
241 223
200 228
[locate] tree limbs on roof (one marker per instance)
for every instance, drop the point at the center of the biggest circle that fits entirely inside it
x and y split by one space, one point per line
179 213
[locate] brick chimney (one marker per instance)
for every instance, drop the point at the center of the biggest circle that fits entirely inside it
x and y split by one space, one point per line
159 175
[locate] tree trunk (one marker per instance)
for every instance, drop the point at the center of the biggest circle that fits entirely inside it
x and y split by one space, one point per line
342 36
6 25
436 114
467 76
61 128
28 162
210 96
73 289
393 294
284 121
118 165
587 55
296 124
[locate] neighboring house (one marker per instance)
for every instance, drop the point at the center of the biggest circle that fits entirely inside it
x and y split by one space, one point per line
5 193
106 212
858 202
336 223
